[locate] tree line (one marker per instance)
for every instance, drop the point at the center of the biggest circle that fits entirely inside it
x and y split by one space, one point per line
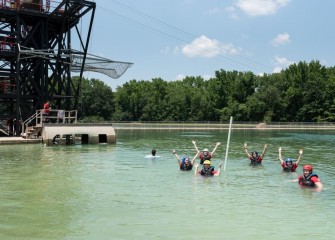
304 92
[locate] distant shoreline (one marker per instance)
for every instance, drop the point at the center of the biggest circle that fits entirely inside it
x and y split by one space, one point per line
193 126
222 126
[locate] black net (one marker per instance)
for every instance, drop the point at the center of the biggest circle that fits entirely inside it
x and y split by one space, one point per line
93 63
113 69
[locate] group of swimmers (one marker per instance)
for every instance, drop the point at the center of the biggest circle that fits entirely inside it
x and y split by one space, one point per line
307 179
185 164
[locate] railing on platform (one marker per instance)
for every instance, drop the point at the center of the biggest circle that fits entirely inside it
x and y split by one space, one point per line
52 116
8 42
5 128
37 5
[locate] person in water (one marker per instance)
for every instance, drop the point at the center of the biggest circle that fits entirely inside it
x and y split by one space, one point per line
185 164
153 154
254 158
205 155
207 169
288 165
309 179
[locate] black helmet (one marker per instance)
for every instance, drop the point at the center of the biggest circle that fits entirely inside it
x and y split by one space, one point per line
288 160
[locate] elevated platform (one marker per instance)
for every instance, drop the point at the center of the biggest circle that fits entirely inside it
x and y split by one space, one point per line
68 134
60 127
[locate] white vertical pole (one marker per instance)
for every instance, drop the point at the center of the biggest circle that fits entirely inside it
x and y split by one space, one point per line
225 160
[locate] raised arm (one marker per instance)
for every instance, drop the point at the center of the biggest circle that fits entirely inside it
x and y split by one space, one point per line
280 156
300 155
196 169
174 153
264 150
246 150
216 146
195 146
195 156
219 170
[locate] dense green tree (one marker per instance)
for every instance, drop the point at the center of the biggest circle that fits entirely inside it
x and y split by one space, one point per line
178 98
155 108
130 100
185 100
96 99
329 105
303 92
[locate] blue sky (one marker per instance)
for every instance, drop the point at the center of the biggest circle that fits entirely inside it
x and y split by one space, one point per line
172 39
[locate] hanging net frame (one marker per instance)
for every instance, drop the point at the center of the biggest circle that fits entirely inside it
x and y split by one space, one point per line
93 63
74 58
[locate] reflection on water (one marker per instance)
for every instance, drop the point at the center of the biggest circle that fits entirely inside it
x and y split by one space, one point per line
114 192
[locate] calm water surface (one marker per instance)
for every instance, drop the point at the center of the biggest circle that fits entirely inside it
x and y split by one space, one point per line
114 192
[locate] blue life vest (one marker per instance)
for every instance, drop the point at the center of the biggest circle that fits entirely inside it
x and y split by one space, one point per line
207 172
186 167
307 181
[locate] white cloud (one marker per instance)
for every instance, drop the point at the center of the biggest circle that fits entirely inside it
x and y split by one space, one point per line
232 12
260 7
165 50
281 39
323 61
205 47
280 64
168 50
206 76
180 77
213 11
277 69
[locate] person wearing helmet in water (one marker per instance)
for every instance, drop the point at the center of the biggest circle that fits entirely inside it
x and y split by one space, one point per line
205 154
185 164
254 157
309 179
288 165
207 169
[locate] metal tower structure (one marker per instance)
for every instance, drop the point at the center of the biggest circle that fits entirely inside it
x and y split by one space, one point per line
36 56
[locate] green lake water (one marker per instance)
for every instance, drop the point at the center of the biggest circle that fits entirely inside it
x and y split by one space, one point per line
114 192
